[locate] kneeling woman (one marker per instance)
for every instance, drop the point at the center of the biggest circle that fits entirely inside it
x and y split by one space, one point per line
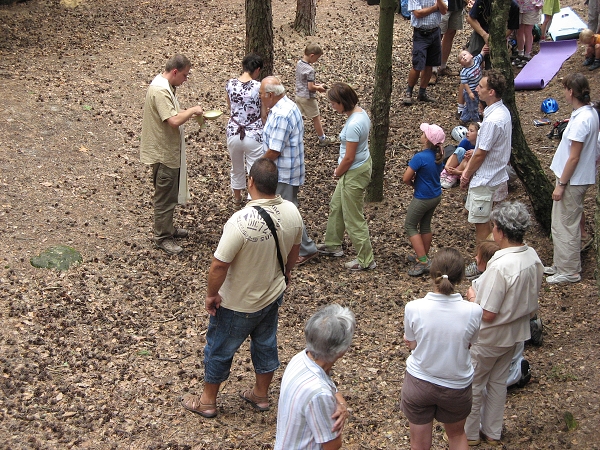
353 174
439 329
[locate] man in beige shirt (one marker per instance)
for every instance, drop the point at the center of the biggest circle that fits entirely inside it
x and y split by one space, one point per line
163 148
245 289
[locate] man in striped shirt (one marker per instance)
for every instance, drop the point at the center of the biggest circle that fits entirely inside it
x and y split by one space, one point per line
486 170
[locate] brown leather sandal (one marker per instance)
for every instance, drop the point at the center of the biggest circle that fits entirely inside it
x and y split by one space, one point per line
193 404
254 400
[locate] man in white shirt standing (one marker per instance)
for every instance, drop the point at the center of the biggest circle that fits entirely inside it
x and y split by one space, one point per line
486 170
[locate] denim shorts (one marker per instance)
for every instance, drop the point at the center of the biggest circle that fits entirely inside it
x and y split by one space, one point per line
227 331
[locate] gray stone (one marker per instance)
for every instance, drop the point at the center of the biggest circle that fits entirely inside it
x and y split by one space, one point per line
59 257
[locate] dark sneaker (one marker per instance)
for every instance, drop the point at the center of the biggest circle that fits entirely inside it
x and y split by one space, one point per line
523 61
420 268
169 246
471 272
588 61
425 98
595 65
537 331
525 374
181 233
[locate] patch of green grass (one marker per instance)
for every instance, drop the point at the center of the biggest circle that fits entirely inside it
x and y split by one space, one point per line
87 108
143 353
570 421
560 373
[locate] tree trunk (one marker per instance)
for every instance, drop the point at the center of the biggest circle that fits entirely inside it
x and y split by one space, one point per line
259 32
382 93
306 13
523 160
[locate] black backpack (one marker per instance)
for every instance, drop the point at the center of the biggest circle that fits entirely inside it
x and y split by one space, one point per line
558 128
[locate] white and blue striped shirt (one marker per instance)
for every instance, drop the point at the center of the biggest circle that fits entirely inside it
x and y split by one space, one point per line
306 404
495 136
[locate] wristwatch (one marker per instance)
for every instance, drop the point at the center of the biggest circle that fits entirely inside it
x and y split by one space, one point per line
560 183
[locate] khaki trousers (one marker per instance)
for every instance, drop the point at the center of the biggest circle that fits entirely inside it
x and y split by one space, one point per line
566 235
166 188
489 390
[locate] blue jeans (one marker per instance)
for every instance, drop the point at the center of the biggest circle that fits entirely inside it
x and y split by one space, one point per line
228 330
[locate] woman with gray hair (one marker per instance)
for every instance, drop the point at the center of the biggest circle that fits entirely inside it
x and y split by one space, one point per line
508 293
311 411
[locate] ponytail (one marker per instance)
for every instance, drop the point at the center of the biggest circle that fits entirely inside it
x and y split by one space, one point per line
443 284
447 270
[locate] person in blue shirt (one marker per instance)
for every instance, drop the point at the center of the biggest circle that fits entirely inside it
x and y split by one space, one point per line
423 174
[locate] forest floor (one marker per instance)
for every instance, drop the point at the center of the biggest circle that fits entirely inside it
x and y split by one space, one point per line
97 356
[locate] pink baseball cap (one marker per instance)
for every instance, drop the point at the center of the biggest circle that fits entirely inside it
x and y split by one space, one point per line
433 132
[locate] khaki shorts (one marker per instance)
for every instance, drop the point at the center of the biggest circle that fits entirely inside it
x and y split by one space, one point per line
452 20
422 401
308 106
479 203
530 17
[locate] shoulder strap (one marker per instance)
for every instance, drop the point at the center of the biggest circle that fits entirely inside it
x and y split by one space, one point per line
267 218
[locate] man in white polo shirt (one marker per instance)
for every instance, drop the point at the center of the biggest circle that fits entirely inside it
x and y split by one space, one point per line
486 170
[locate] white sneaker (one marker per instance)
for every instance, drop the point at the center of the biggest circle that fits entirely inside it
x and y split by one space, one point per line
550 270
355 266
330 251
328 140
563 278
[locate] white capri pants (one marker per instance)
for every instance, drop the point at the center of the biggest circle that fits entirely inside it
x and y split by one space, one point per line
249 150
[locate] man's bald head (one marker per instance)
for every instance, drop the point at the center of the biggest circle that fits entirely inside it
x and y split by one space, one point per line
272 85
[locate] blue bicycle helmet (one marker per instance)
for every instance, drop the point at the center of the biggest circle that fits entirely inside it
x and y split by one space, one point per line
549 106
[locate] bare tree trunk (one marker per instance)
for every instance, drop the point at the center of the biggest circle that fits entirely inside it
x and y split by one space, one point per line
526 165
259 32
306 13
382 93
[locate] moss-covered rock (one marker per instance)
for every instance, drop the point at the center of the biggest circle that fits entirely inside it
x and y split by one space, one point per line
59 257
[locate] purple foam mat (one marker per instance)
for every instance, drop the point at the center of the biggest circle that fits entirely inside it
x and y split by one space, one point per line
538 72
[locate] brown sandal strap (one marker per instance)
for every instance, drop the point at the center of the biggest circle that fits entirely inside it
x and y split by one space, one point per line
255 398
193 403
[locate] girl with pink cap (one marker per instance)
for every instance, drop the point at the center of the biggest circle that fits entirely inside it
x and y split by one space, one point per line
423 174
